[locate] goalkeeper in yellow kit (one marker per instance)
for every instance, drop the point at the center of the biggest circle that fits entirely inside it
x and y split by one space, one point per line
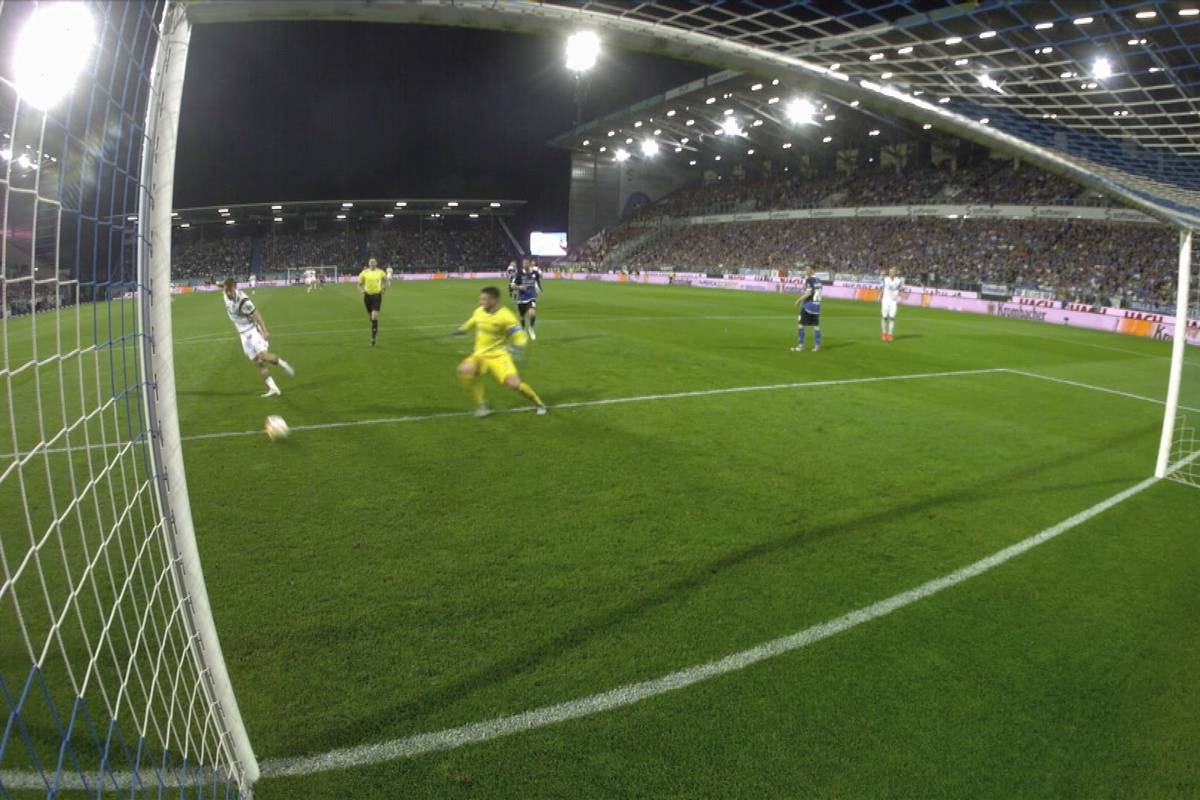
495 326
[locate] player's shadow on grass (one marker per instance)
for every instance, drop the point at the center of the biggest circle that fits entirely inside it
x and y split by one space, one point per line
383 722
543 342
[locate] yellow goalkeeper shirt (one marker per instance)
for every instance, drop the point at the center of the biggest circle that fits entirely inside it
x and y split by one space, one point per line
371 280
493 330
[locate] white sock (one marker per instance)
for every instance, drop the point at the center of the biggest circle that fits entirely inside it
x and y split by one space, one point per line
891 326
883 325
284 364
271 384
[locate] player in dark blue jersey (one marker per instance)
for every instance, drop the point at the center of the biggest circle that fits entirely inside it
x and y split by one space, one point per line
810 310
528 284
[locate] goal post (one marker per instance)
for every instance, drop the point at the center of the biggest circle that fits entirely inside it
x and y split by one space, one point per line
1179 445
329 272
166 446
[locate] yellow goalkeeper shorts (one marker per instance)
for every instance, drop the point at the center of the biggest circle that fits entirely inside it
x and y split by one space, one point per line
500 365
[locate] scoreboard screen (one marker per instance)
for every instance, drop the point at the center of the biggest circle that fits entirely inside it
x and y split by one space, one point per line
542 243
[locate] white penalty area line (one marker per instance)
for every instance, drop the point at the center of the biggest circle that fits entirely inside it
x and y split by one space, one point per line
1094 388
629 694
612 401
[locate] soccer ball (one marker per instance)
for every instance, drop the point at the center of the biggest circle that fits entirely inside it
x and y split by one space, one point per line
275 428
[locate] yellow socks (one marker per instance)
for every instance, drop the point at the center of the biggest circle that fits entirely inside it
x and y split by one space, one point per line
527 391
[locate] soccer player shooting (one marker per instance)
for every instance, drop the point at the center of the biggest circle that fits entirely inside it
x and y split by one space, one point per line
810 310
253 332
496 328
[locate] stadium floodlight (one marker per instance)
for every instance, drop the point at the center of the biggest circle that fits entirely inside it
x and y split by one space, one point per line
692 163
401 204
341 216
279 219
800 111
1101 68
230 222
51 52
6 153
452 204
649 148
389 215
1189 12
347 205
621 154
827 139
473 215
222 210
277 208
23 161
186 225
494 204
1085 21
583 48
730 127
988 82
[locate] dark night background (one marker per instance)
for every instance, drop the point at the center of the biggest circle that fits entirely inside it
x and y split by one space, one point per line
325 111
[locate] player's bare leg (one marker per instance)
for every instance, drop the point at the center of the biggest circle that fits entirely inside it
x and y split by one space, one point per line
532 323
515 383
260 363
468 375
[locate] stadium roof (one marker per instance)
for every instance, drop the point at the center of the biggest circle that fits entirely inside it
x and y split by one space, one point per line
730 116
356 209
1103 92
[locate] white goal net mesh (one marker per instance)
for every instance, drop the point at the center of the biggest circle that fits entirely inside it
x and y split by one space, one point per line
103 685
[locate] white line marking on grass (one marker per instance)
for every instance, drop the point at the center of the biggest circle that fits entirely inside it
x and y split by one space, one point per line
621 696
629 694
646 398
319 426
1094 388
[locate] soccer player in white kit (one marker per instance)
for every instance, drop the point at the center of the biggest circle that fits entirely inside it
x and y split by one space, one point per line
891 298
253 283
253 331
310 280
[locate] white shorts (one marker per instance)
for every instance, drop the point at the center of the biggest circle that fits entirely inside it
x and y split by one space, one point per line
253 343
889 309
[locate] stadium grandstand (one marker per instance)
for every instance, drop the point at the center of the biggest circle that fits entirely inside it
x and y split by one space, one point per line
724 176
267 239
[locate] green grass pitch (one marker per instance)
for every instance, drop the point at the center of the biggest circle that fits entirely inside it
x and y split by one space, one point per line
428 569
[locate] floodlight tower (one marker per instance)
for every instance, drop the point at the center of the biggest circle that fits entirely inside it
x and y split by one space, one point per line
583 48
51 52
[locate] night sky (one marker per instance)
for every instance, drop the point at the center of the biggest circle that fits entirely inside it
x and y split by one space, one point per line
324 111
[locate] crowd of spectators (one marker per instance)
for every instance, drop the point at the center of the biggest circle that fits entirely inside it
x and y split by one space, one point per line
1078 261
194 257
992 181
197 256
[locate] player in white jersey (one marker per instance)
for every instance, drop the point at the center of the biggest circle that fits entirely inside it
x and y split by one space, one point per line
389 272
253 283
890 300
310 280
253 331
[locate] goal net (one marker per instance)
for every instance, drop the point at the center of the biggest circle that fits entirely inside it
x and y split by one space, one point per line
111 677
321 274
